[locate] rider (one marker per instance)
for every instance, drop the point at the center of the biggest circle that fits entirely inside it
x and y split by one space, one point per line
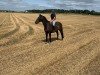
53 18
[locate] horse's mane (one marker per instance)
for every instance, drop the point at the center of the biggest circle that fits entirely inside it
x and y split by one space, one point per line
45 18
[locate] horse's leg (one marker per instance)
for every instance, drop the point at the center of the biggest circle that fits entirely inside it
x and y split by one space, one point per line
61 31
46 36
57 34
49 37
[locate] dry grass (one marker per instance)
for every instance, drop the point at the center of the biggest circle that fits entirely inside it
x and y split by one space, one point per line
24 52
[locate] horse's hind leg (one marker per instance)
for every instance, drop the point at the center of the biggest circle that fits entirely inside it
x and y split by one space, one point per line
61 31
57 34
49 37
46 36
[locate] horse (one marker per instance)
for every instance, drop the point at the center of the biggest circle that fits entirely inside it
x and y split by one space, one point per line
48 27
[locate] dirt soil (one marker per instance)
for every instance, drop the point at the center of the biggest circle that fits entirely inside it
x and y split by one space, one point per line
23 50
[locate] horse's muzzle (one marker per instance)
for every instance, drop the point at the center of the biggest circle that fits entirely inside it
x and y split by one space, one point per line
36 22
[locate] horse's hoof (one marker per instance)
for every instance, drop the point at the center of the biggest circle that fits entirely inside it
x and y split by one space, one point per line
45 42
49 42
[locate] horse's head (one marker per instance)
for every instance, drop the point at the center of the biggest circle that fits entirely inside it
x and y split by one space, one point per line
39 19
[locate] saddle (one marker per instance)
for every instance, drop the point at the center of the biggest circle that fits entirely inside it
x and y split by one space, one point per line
53 27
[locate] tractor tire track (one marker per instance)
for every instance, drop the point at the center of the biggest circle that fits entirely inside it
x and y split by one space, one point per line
14 30
3 20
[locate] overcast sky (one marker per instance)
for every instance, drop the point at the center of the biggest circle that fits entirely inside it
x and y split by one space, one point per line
49 4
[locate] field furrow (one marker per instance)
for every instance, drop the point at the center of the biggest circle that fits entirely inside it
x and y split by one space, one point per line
2 18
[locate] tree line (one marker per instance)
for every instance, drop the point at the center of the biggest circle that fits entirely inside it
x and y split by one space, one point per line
6 11
88 12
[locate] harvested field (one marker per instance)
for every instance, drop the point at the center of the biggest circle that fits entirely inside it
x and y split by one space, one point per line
23 50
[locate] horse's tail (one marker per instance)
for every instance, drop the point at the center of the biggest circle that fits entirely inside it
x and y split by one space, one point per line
61 31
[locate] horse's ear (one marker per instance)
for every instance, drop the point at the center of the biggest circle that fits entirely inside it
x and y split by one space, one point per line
39 14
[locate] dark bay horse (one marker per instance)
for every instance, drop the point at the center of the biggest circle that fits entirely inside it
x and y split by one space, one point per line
48 27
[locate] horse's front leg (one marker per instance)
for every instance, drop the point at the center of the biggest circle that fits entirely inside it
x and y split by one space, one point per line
46 36
49 37
57 34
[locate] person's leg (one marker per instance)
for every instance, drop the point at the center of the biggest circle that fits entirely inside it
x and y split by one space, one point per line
54 23
51 22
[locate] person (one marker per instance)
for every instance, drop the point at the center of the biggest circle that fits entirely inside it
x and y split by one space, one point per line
53 18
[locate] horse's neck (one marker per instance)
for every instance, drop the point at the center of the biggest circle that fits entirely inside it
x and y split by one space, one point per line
45 22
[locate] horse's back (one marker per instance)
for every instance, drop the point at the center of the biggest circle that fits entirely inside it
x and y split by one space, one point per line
58 24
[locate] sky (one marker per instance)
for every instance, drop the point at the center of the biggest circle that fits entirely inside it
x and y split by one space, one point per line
49 4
